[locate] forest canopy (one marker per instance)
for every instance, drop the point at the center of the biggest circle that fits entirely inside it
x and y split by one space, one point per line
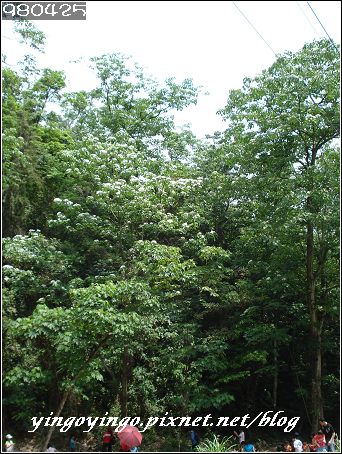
146 271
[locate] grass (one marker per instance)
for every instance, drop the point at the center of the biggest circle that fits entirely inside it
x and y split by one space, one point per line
218 444
337 445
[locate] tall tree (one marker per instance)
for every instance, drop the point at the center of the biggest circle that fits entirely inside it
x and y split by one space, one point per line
128 101
282 126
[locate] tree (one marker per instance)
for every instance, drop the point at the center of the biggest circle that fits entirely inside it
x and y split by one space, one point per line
32 135
30 34
282 125
126 101
146 271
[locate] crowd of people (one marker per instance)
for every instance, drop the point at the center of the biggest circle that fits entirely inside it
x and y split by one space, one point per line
108 439
324 440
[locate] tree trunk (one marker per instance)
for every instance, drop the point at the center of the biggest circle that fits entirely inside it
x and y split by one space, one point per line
124 382
275 374
58 412
67 392
316 380
316 403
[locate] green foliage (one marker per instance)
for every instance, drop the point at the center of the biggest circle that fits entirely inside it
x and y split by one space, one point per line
147 271
126 101
29 146
30 34
217 444
34 270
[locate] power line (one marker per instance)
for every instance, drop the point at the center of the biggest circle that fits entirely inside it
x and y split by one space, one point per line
332 42
306 17
250 23
8 64
6 37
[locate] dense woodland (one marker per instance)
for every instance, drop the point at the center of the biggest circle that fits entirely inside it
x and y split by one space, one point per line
146 271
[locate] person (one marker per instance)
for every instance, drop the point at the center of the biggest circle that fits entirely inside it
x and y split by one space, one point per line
50 448
329 433
240 434
247 446
297 444
194 439
318 442
288 447
72 443
306 446
313 445
9 444
108 439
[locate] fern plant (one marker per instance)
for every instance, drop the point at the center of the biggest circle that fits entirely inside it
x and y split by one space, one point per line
218 444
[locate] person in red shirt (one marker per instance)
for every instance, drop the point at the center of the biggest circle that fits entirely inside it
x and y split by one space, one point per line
318 442
108 439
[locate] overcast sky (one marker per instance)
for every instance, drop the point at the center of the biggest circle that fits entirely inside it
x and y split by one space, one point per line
209 41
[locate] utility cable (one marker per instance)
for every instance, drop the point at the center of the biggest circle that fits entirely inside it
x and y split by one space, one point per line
332 42
250 23
308 20
6 37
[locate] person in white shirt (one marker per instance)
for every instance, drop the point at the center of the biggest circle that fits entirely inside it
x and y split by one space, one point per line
240 434
297 444
9 445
